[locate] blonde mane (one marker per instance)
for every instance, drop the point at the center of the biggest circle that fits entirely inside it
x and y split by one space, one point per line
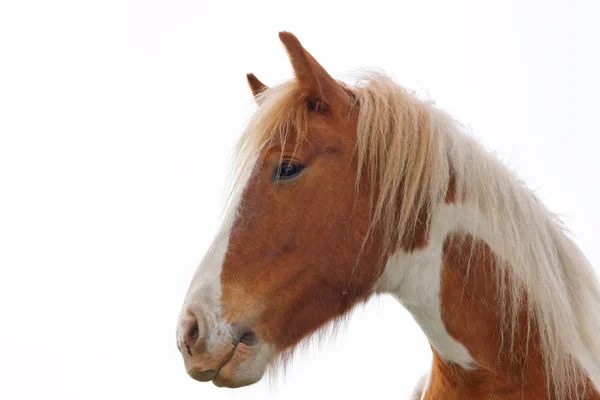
411 152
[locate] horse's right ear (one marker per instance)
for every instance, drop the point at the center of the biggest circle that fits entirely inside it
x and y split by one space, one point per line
256 86
312 77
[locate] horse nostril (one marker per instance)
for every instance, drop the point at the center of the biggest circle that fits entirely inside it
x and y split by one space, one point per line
249 338
193 333
190 331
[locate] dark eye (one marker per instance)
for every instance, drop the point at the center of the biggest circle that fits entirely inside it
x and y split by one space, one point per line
287 170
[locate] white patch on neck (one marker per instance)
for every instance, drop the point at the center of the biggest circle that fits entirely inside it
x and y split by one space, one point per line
414 278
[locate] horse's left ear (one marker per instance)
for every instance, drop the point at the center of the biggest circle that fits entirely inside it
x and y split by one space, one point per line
256 86
312 77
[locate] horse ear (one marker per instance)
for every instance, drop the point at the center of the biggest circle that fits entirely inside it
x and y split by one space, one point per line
310 74
256 86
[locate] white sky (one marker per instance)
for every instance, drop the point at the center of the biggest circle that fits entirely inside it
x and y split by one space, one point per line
117 120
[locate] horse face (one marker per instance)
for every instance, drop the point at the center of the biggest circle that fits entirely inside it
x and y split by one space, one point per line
292 253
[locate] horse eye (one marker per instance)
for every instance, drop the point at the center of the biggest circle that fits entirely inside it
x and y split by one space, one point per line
287 170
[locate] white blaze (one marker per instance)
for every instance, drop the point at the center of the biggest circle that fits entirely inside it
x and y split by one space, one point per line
203 298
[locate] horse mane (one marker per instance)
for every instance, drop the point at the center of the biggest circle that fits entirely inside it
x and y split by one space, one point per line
411 151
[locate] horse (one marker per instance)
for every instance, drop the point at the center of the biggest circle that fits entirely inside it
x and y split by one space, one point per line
343 191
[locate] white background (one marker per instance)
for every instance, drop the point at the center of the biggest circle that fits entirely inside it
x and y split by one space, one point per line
117 121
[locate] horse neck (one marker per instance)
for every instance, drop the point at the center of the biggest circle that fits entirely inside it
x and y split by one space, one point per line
448 283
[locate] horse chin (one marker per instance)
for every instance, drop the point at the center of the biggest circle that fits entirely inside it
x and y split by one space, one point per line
246 366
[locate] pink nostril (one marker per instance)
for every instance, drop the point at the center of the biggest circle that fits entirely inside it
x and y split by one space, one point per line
190 332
